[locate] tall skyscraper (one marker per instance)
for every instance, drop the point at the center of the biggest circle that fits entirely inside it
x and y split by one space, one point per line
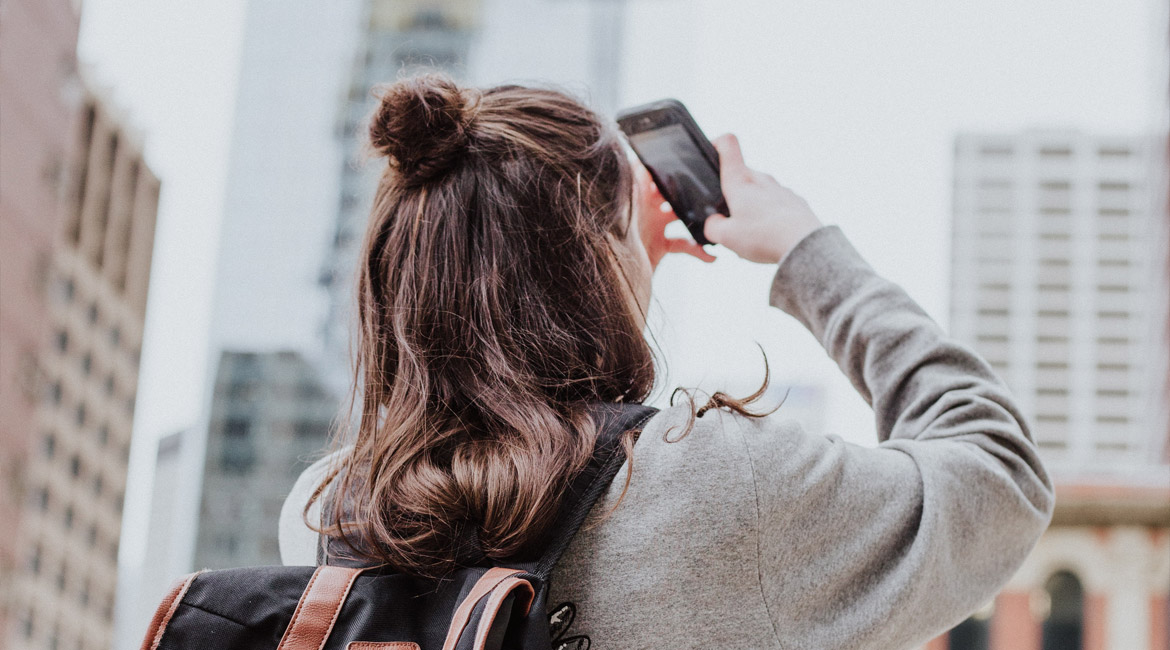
1057 282
398 36
38 99
270 418
76 470
1058 279
576 44
279 200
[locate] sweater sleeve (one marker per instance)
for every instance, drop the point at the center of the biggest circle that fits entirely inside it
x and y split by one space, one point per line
887 547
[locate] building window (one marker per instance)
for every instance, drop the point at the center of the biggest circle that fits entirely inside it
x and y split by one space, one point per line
75 466
34 561
1114 152
50 445
27 625
1063 628
110 384
115 336
87 364
66 289
92 313
69 517
80 416
103 434
1055 151
62 340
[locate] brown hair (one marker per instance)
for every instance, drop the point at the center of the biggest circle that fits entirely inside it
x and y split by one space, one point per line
492 310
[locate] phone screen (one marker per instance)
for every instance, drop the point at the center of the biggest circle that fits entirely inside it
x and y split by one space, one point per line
686 178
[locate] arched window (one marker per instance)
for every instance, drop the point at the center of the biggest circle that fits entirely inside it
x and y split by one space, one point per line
1064 625
973 633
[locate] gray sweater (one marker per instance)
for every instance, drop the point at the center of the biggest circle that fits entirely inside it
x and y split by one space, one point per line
757 534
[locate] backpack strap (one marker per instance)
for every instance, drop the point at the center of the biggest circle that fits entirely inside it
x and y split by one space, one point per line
318 608
587 487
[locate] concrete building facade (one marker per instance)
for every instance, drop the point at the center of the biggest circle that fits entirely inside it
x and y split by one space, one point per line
76 467
164 560
1058 280
270 418
38 97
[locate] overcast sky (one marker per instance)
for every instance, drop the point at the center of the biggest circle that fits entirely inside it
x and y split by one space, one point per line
854 104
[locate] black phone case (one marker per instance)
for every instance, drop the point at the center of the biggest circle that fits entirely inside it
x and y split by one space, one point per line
662 113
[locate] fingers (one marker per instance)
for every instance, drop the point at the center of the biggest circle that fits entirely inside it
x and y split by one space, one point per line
690 247
730 157
715 227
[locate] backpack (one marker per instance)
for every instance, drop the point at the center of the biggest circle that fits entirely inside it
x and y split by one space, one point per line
491 605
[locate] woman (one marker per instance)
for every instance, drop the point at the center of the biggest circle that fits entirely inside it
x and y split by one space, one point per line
503 286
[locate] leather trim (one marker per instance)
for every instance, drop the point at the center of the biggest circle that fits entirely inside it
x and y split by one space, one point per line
382 645
166 609
318 608
482 587
502 591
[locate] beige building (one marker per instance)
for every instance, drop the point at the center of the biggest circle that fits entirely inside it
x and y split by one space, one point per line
76 464
1059 258
37 96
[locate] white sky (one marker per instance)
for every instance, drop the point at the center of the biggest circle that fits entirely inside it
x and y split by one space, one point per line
854 104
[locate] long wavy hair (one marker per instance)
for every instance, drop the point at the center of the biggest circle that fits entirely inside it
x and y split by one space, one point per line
492 311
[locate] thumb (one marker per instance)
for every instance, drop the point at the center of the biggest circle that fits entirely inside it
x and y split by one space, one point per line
730 156
715 228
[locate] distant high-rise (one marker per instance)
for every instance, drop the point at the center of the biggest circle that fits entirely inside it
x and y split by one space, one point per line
76 471
1059 281
1056 282
574 43
269 417
38 99
398 36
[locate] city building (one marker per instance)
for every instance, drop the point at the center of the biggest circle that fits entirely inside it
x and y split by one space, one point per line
575 44
270 418
163 562
38 96
75 471
397 36
1058 280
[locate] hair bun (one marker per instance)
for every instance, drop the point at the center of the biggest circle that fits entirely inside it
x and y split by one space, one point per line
421 126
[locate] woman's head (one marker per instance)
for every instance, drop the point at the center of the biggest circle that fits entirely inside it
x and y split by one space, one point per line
500 290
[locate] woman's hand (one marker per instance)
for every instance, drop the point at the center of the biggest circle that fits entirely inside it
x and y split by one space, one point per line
767 219
653 214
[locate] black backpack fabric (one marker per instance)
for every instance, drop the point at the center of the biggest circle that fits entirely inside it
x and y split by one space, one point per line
343 605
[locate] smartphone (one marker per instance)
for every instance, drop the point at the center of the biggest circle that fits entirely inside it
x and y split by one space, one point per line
681 160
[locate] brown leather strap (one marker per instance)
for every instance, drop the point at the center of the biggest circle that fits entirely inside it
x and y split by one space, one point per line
166 609
483 586
519 587
318 609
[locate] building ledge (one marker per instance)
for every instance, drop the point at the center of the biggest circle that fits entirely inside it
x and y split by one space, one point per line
1087 504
